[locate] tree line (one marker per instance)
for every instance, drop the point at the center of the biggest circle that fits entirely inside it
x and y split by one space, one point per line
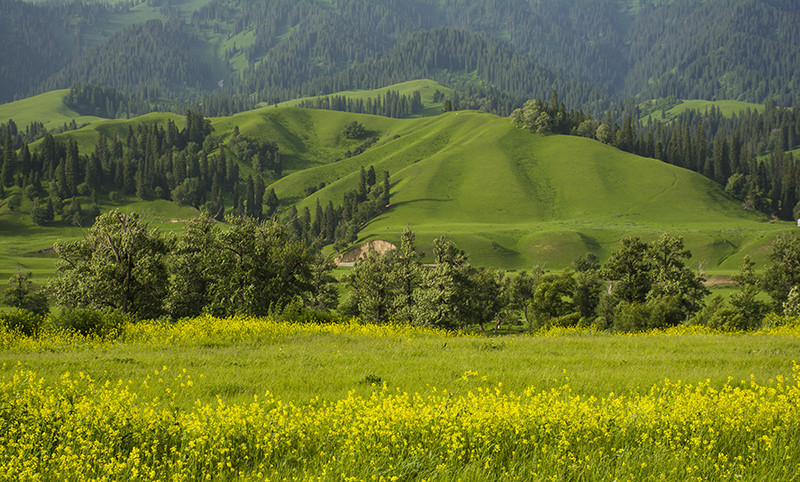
642 286
258 268
390 104
253 267
149 161
108 102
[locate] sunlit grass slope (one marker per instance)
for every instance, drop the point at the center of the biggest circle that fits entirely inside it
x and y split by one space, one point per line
727 107
47 108
424 86
513 199
508 197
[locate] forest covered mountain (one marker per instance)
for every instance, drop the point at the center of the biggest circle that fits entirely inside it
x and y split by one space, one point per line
591 51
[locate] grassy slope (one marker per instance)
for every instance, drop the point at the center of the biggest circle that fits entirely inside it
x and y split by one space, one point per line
425 86
48 108
512 199
726 107
508 197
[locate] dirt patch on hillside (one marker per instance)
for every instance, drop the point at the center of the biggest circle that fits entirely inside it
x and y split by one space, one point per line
719 281
361 252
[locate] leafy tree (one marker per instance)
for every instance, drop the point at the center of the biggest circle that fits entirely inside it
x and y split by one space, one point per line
746 311
671 277
783 272
193 266
586 263
354 130
42 212
322 294
629 268
119 265
405 276
371 295
257 268
21 294
443 297
553 297
586 296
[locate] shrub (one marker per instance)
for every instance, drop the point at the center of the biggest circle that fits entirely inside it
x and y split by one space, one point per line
733 319
22 321
660 312
93 323
297 312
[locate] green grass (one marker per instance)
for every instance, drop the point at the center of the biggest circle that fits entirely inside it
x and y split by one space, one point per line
47 108
726 107
424 86
306 364
254 399
510 198
513 199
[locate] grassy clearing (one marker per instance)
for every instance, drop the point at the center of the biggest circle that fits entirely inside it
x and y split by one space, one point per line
424 86
727 107
256 399
47 108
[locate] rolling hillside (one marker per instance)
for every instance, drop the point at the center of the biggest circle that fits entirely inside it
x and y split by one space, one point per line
509 197
47 108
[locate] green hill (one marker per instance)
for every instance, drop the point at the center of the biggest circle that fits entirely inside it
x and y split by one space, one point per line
726 107
47 108
510 198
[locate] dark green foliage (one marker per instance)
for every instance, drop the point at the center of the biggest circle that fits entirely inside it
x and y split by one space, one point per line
391 104
22 321
629 268
21 294
651 285
495 52
252 268
118 266
657 312
42 212
783 272
354 130
90 322
153 53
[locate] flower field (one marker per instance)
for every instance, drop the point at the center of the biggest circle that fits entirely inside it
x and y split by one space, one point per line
87 425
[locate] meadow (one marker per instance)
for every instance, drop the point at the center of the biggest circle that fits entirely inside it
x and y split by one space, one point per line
259 399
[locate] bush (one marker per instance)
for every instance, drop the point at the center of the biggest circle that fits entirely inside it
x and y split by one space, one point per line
733 319
22 321
660 312
92 323
297 312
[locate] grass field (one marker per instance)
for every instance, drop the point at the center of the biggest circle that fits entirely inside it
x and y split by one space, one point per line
424 86
47 108
726 107
257 399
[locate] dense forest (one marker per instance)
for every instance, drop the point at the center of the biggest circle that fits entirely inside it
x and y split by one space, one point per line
188 166
592 51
